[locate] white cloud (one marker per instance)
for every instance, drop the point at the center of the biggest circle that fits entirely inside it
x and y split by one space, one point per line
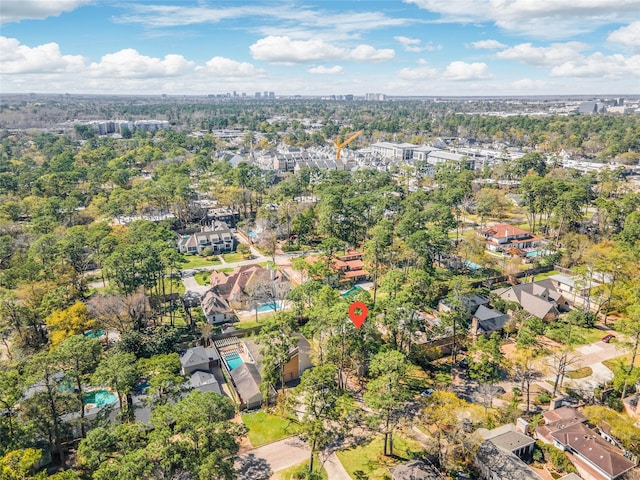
414 45
419 73
529 84
21 59
300 22
367 53
279 49
554 54
322 70
488 44
462 71
598 65
284 50
16 10
629 35
226 67
537 18
128 63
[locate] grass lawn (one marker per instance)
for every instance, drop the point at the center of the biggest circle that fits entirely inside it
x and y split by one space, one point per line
196 261
247 324
233 257
173 285
287 473
266 428
542 276
225 270
625 359
202 278
579 335
368 457
582 372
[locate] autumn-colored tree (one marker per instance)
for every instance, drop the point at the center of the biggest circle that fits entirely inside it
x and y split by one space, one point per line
63 324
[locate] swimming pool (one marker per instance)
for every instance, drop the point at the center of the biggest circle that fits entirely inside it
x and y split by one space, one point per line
94 333
352 290
268 307
233 360
100 397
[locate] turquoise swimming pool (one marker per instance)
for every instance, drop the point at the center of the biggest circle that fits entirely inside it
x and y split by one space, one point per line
352 290
94 333
268 307
100 397
233 360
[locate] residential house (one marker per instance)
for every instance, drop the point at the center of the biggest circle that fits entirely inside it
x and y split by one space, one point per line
512 438
347 267
225 215
593 456
510 239
246 287
470 303
216 308
204 381
299 357
351 266
487 320
246 379
415 470
495 463
199 358
540 299
217 237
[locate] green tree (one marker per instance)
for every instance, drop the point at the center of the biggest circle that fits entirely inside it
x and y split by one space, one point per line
321 405
118 371
387 393
485 363
163 372
78 356
277 340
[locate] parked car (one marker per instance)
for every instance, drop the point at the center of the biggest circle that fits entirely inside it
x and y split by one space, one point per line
427 392
608 338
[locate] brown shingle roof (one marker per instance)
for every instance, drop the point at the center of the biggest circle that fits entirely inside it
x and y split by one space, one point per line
587 444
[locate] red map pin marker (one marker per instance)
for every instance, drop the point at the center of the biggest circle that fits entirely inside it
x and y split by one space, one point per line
358 318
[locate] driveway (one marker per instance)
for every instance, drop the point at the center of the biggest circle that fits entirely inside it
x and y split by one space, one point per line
592 356
260 463
190 285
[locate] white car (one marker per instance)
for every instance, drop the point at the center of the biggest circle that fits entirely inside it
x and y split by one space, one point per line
427 392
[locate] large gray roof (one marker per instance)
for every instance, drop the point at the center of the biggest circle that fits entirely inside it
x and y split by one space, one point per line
205 382
504 465
247 381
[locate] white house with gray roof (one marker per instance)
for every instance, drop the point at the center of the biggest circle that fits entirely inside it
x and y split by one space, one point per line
217 237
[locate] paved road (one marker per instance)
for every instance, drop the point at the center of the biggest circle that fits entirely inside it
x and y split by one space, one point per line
334 469
262 462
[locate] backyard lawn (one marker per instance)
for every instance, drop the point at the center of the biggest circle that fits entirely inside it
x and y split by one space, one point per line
265 427
196 261
543 275
368 458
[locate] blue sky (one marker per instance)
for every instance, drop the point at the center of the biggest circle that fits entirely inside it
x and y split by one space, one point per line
410 47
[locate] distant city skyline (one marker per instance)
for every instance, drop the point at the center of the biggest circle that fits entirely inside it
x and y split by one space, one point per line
396 48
